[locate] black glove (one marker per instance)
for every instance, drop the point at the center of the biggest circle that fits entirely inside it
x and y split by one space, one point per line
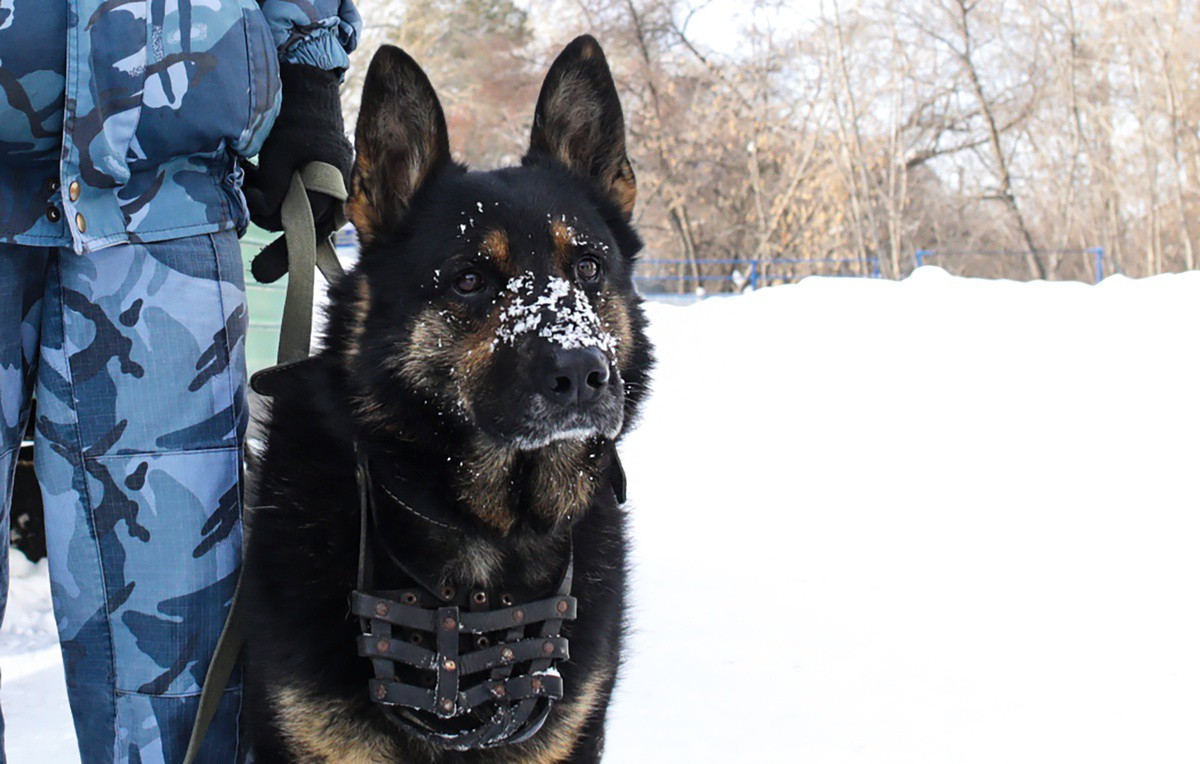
309 129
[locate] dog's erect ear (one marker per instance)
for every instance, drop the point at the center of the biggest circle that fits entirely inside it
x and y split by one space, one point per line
400 142
579 121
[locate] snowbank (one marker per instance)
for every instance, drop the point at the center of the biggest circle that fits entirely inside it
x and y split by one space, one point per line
961 516
940 520
32 687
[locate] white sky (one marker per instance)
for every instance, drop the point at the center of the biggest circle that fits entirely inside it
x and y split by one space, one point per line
718 23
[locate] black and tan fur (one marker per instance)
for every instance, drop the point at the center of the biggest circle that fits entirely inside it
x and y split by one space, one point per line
442 390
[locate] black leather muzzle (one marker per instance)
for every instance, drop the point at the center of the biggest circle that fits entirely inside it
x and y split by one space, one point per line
460 671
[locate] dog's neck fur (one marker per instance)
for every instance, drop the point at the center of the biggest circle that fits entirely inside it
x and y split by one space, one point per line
461 544
550 485
503 488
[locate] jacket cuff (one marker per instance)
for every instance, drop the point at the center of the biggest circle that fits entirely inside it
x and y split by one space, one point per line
325 42
322 51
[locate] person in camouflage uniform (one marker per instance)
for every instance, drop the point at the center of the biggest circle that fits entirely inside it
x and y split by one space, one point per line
121 300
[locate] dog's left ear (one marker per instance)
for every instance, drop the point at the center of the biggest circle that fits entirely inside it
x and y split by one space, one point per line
579 121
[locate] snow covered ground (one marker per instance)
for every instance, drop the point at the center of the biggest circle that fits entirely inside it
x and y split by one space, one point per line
32 688
941 520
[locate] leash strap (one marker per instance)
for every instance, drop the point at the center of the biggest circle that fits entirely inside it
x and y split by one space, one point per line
305 256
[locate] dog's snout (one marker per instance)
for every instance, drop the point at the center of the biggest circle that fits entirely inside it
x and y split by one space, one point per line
576 376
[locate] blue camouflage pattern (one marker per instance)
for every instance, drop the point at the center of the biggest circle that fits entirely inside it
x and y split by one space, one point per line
138 356
121 120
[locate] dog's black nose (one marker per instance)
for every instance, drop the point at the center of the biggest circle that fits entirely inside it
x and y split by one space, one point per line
576 376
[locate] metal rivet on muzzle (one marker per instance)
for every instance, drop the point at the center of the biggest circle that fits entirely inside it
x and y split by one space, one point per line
383 645
449 624
381 609
548 647
450 665
507 654
380 692
447 705
518 616
563 606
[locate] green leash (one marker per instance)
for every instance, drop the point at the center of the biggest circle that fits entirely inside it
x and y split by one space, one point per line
305 256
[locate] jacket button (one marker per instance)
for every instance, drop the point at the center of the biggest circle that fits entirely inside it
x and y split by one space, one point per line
80 223
52 185
73 190
53 215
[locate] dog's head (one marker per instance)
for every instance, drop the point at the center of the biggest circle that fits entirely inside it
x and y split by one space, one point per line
497 301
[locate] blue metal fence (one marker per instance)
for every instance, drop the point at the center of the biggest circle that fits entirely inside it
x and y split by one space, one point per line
744 273
1097 254
753 273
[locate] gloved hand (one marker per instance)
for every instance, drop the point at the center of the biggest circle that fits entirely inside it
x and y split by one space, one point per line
309 129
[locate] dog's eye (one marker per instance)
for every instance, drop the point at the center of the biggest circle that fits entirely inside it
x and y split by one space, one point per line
469 282
587 269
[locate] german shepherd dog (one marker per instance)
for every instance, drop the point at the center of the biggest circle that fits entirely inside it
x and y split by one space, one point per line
486 354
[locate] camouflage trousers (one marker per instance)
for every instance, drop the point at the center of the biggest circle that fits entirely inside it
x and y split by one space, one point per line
136 354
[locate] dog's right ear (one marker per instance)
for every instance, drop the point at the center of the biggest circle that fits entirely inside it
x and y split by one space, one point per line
400 141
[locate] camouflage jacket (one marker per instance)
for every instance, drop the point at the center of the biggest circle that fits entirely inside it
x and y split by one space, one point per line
122 120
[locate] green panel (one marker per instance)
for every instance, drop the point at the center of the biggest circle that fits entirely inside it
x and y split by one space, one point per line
265 305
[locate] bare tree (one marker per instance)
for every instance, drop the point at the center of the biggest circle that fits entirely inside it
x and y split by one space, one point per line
862 134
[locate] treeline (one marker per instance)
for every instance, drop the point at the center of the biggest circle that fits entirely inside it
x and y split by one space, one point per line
1043 128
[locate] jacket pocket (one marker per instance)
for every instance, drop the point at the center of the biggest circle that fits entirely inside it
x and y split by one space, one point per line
210 79
265 94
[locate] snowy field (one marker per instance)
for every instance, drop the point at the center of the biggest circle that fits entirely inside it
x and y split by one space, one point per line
941 520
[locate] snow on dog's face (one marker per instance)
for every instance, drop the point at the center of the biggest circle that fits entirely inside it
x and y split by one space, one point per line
558 311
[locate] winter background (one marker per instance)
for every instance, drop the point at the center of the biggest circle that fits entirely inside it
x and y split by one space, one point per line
922 518
932 520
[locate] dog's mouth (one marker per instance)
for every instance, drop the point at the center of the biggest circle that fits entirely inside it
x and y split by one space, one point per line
525 419
547 421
